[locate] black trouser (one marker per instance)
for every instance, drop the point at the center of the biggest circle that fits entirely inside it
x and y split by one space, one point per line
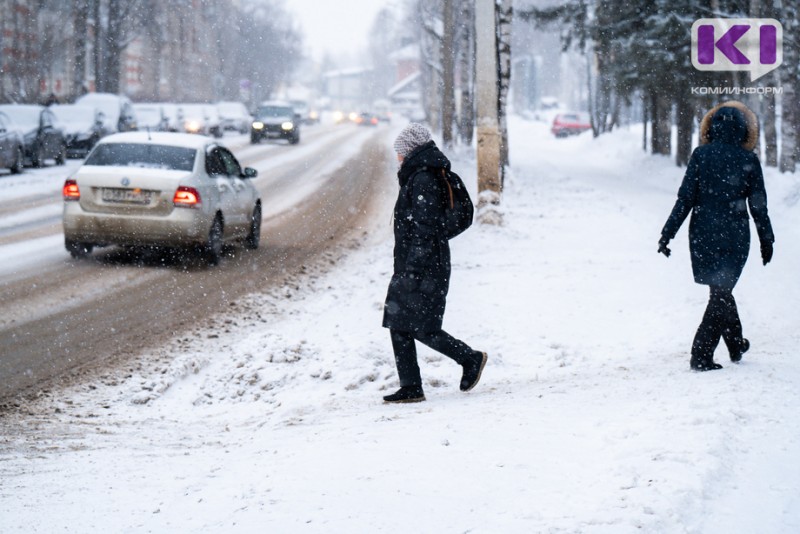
720 320
405 352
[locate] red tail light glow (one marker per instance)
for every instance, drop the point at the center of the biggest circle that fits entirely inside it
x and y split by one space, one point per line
71 191
186 197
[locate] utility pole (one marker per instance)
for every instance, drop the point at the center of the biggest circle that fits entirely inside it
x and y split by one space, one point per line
489 184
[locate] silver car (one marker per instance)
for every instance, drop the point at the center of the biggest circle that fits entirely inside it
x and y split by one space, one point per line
163 189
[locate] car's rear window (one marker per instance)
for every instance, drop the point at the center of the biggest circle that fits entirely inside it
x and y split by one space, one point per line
143 155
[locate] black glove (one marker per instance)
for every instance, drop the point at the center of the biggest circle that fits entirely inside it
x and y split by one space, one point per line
662 246
766 252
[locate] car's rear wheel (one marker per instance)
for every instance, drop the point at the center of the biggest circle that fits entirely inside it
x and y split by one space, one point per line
77 249
19 162
212 250
254 236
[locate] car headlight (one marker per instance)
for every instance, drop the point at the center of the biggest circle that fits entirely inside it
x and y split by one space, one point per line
338 116
192 126
313 115
258 125
287 126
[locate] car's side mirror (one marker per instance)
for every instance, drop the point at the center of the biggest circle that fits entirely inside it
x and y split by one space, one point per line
250 172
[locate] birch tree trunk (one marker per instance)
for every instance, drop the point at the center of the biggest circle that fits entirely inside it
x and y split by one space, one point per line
505 12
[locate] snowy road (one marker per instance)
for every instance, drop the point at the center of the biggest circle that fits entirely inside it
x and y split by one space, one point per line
59 313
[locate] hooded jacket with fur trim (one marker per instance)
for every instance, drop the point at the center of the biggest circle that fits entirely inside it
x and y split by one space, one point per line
723 179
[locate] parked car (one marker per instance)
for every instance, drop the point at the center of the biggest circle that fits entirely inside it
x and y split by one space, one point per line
42 138
173 117
117 110
275 120
83 127
161 189
151 117
234 116
572 123
306 113
12 150
214 120
200 119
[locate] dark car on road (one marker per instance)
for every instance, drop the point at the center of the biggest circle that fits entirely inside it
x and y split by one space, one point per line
42 138
275 120
12 151
367 119
83 127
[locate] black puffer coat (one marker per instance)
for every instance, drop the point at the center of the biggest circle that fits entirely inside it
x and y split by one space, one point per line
723 177
418 290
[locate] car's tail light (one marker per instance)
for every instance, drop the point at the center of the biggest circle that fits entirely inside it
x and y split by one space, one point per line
71 191
373 120
186 197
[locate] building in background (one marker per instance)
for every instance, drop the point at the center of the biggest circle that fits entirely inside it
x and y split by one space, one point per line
406 93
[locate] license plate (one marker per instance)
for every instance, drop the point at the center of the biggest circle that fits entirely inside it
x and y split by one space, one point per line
127 196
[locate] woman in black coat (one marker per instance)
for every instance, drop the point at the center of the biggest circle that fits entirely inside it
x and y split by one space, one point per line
417 293
723 177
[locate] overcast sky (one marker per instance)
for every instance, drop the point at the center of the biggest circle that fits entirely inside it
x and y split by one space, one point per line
336 26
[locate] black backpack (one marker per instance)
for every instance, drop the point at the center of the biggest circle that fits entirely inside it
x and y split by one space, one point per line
458 209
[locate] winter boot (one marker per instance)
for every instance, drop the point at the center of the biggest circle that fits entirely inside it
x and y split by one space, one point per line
736 355
472 371
703 364
406 394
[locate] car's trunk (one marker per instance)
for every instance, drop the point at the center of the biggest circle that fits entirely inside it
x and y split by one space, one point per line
129 191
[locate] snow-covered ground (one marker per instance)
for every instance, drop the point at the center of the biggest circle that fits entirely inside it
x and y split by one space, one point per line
587 419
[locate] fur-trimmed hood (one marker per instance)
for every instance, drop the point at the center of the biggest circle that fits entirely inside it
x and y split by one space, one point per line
743 119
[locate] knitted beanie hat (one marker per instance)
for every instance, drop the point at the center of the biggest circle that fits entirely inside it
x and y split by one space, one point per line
412 136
